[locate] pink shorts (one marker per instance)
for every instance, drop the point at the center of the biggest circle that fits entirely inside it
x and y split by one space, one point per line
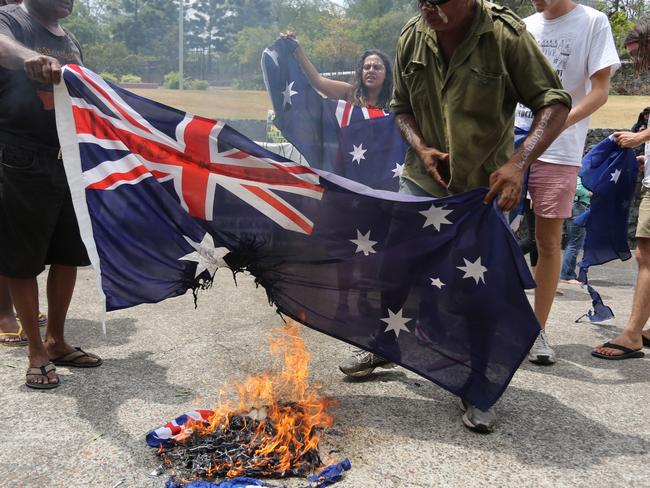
552 188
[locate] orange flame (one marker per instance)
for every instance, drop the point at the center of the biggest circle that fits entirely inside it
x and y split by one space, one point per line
282 398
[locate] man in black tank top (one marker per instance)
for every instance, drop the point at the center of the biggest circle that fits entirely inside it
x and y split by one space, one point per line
37 220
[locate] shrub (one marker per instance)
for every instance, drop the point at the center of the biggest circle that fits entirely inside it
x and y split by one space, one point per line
171 80
110 77
198 85
129 78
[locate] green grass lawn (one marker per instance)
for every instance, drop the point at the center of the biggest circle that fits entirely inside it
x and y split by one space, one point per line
619 112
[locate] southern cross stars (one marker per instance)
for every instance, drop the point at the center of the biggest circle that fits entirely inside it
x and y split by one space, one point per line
358 153
364 244
288 93
474 270
396 322
398 171
207 257
615 176
436 216
437 282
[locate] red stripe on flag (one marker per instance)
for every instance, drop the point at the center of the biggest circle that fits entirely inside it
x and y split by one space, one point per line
375 113
283 209
345 121
195 180
113 178
88 80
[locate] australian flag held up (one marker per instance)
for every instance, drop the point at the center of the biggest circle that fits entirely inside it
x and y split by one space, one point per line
165 198
360 144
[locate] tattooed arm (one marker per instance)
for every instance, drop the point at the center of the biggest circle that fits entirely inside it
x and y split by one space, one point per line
508 179
429 156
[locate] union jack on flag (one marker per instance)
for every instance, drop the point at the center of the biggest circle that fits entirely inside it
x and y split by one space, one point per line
165 198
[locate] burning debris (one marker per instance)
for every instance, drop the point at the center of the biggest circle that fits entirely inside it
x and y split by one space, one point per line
271 430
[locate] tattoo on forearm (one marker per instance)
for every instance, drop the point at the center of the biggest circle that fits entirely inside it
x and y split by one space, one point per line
534 139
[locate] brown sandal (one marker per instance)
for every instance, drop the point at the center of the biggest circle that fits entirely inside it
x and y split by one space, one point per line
42 371
71 360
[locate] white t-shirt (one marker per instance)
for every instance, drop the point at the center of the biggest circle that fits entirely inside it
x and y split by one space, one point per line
578 44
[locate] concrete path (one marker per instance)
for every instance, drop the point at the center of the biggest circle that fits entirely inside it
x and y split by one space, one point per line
580 423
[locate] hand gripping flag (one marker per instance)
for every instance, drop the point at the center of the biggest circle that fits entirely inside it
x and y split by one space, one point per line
611 174
164 198
360 144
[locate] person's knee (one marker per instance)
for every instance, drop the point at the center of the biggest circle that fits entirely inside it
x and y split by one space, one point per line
643 253
549 245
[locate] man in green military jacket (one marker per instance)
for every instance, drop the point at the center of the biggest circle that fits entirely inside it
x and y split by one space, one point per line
461 68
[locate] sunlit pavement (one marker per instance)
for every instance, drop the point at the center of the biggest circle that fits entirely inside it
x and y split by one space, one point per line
582 422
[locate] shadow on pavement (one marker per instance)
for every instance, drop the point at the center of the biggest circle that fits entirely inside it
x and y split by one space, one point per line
101 392
575 362
534 427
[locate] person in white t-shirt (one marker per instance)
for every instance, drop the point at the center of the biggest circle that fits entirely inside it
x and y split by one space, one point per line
630 342
578 42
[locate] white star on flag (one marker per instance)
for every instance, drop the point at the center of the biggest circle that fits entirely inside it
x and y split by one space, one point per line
398 171
474 270
358 153
396 322
364 244
437 282
436 216
615 176
273 54
206 256
288 93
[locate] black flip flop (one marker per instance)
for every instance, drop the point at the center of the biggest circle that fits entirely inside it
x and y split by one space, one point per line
627 352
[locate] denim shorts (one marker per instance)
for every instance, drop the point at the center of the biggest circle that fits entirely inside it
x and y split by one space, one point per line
38 225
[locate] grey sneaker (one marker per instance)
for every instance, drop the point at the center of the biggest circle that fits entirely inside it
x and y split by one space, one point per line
476 419
363 363
541 352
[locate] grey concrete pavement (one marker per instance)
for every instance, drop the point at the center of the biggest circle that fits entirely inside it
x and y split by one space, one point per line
580 423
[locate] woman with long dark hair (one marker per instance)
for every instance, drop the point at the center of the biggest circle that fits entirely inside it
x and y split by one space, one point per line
371 85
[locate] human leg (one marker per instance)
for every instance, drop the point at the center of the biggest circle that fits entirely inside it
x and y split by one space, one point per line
10 332
24 293
552 188
575 241
632 335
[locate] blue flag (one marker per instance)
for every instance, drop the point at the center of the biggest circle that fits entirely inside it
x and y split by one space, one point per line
610 173
360 144
165 198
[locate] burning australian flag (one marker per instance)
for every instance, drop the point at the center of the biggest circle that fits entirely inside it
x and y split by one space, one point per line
164 198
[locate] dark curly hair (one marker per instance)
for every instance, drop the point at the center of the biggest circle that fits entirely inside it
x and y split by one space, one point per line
359 91
641 34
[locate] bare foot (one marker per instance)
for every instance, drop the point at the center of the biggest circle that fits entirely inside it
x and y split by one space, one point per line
623 339
9 325
37 378
57 350
571 282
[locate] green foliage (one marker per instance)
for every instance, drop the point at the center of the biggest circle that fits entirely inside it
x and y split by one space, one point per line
129 78
110 77
172 80
198 85
248 45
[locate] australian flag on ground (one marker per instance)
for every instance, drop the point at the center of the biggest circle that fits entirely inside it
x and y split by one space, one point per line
164 198
611 174
360 144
